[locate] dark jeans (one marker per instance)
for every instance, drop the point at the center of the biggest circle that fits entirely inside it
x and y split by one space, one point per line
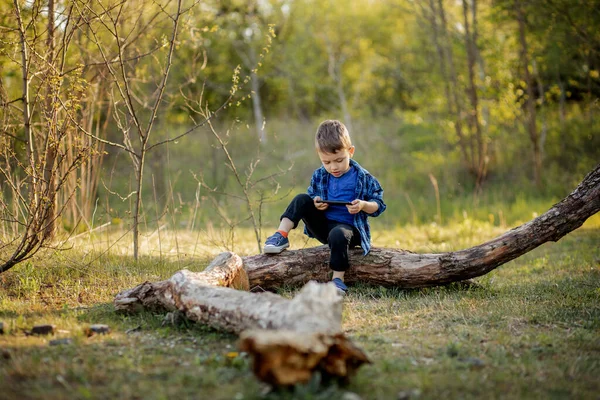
339 236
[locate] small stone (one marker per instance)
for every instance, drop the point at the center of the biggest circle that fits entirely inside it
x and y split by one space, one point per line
408 394
133 330
97 329
174 318
351 396
58 342
43 330
473 362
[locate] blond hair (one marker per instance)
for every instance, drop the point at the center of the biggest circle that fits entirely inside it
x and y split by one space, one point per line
332 136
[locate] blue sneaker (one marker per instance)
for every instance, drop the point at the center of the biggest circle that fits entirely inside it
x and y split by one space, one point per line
276 243
341 287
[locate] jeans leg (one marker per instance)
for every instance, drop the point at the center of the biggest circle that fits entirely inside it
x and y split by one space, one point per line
340 239
303 208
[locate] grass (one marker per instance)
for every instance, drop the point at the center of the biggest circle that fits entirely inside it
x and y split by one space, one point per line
529 329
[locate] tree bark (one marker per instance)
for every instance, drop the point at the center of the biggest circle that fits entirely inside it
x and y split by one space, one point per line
457 103
471 46
51 137
400 268
530 100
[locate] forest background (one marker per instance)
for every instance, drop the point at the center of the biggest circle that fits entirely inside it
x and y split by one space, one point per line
144 115
142 137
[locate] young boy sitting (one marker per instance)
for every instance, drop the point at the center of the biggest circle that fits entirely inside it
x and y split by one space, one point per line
339 179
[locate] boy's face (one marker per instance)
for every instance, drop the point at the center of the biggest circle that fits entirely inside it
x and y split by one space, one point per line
338 163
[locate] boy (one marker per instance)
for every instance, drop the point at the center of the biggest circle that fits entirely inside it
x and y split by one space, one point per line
340 226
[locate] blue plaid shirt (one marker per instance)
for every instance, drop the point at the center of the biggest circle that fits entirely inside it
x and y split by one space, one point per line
367 188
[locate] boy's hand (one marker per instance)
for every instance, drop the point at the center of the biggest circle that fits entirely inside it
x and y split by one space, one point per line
320 206
356 206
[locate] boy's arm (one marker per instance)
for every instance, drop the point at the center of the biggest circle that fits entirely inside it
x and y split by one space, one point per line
373 203
370 207
357 206
374 195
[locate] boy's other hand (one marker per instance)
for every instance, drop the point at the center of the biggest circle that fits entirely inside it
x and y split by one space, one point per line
356 206
320 206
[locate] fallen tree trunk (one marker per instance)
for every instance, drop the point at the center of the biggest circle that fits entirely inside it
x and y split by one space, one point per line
399 268
288 339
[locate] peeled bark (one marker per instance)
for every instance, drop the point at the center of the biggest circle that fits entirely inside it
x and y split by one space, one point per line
226 270
400 268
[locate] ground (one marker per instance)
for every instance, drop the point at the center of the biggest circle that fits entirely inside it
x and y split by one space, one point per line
530 329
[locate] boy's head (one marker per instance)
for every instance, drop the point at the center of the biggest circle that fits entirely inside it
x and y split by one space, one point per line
334 147
332 136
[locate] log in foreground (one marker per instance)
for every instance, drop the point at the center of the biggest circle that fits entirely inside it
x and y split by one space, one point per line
226 270
399 268
289 340
284 358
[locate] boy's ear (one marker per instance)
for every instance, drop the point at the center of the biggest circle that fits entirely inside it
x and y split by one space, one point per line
351 151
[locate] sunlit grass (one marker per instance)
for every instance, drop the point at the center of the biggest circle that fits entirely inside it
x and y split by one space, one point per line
529 329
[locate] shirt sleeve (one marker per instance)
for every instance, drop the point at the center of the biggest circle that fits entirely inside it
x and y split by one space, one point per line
375 193
312 188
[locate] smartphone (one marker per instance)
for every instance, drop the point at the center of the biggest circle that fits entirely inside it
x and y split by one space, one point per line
334 202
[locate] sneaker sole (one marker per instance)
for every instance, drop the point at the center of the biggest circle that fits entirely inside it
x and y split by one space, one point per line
274 249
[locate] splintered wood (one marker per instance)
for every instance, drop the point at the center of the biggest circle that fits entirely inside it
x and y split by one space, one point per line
287 357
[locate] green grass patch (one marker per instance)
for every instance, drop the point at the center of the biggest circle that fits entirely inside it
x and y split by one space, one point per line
529 329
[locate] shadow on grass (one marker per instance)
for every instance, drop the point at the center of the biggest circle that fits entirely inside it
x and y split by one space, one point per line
381 292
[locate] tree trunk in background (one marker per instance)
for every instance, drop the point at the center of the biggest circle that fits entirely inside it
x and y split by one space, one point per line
450 97
52 129
400 268
335 73
485 111
479 156
530 101
432 16
562 113
542 97
137 204
448 54
590 98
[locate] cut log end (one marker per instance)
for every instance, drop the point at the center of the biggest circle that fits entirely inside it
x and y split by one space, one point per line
283 357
